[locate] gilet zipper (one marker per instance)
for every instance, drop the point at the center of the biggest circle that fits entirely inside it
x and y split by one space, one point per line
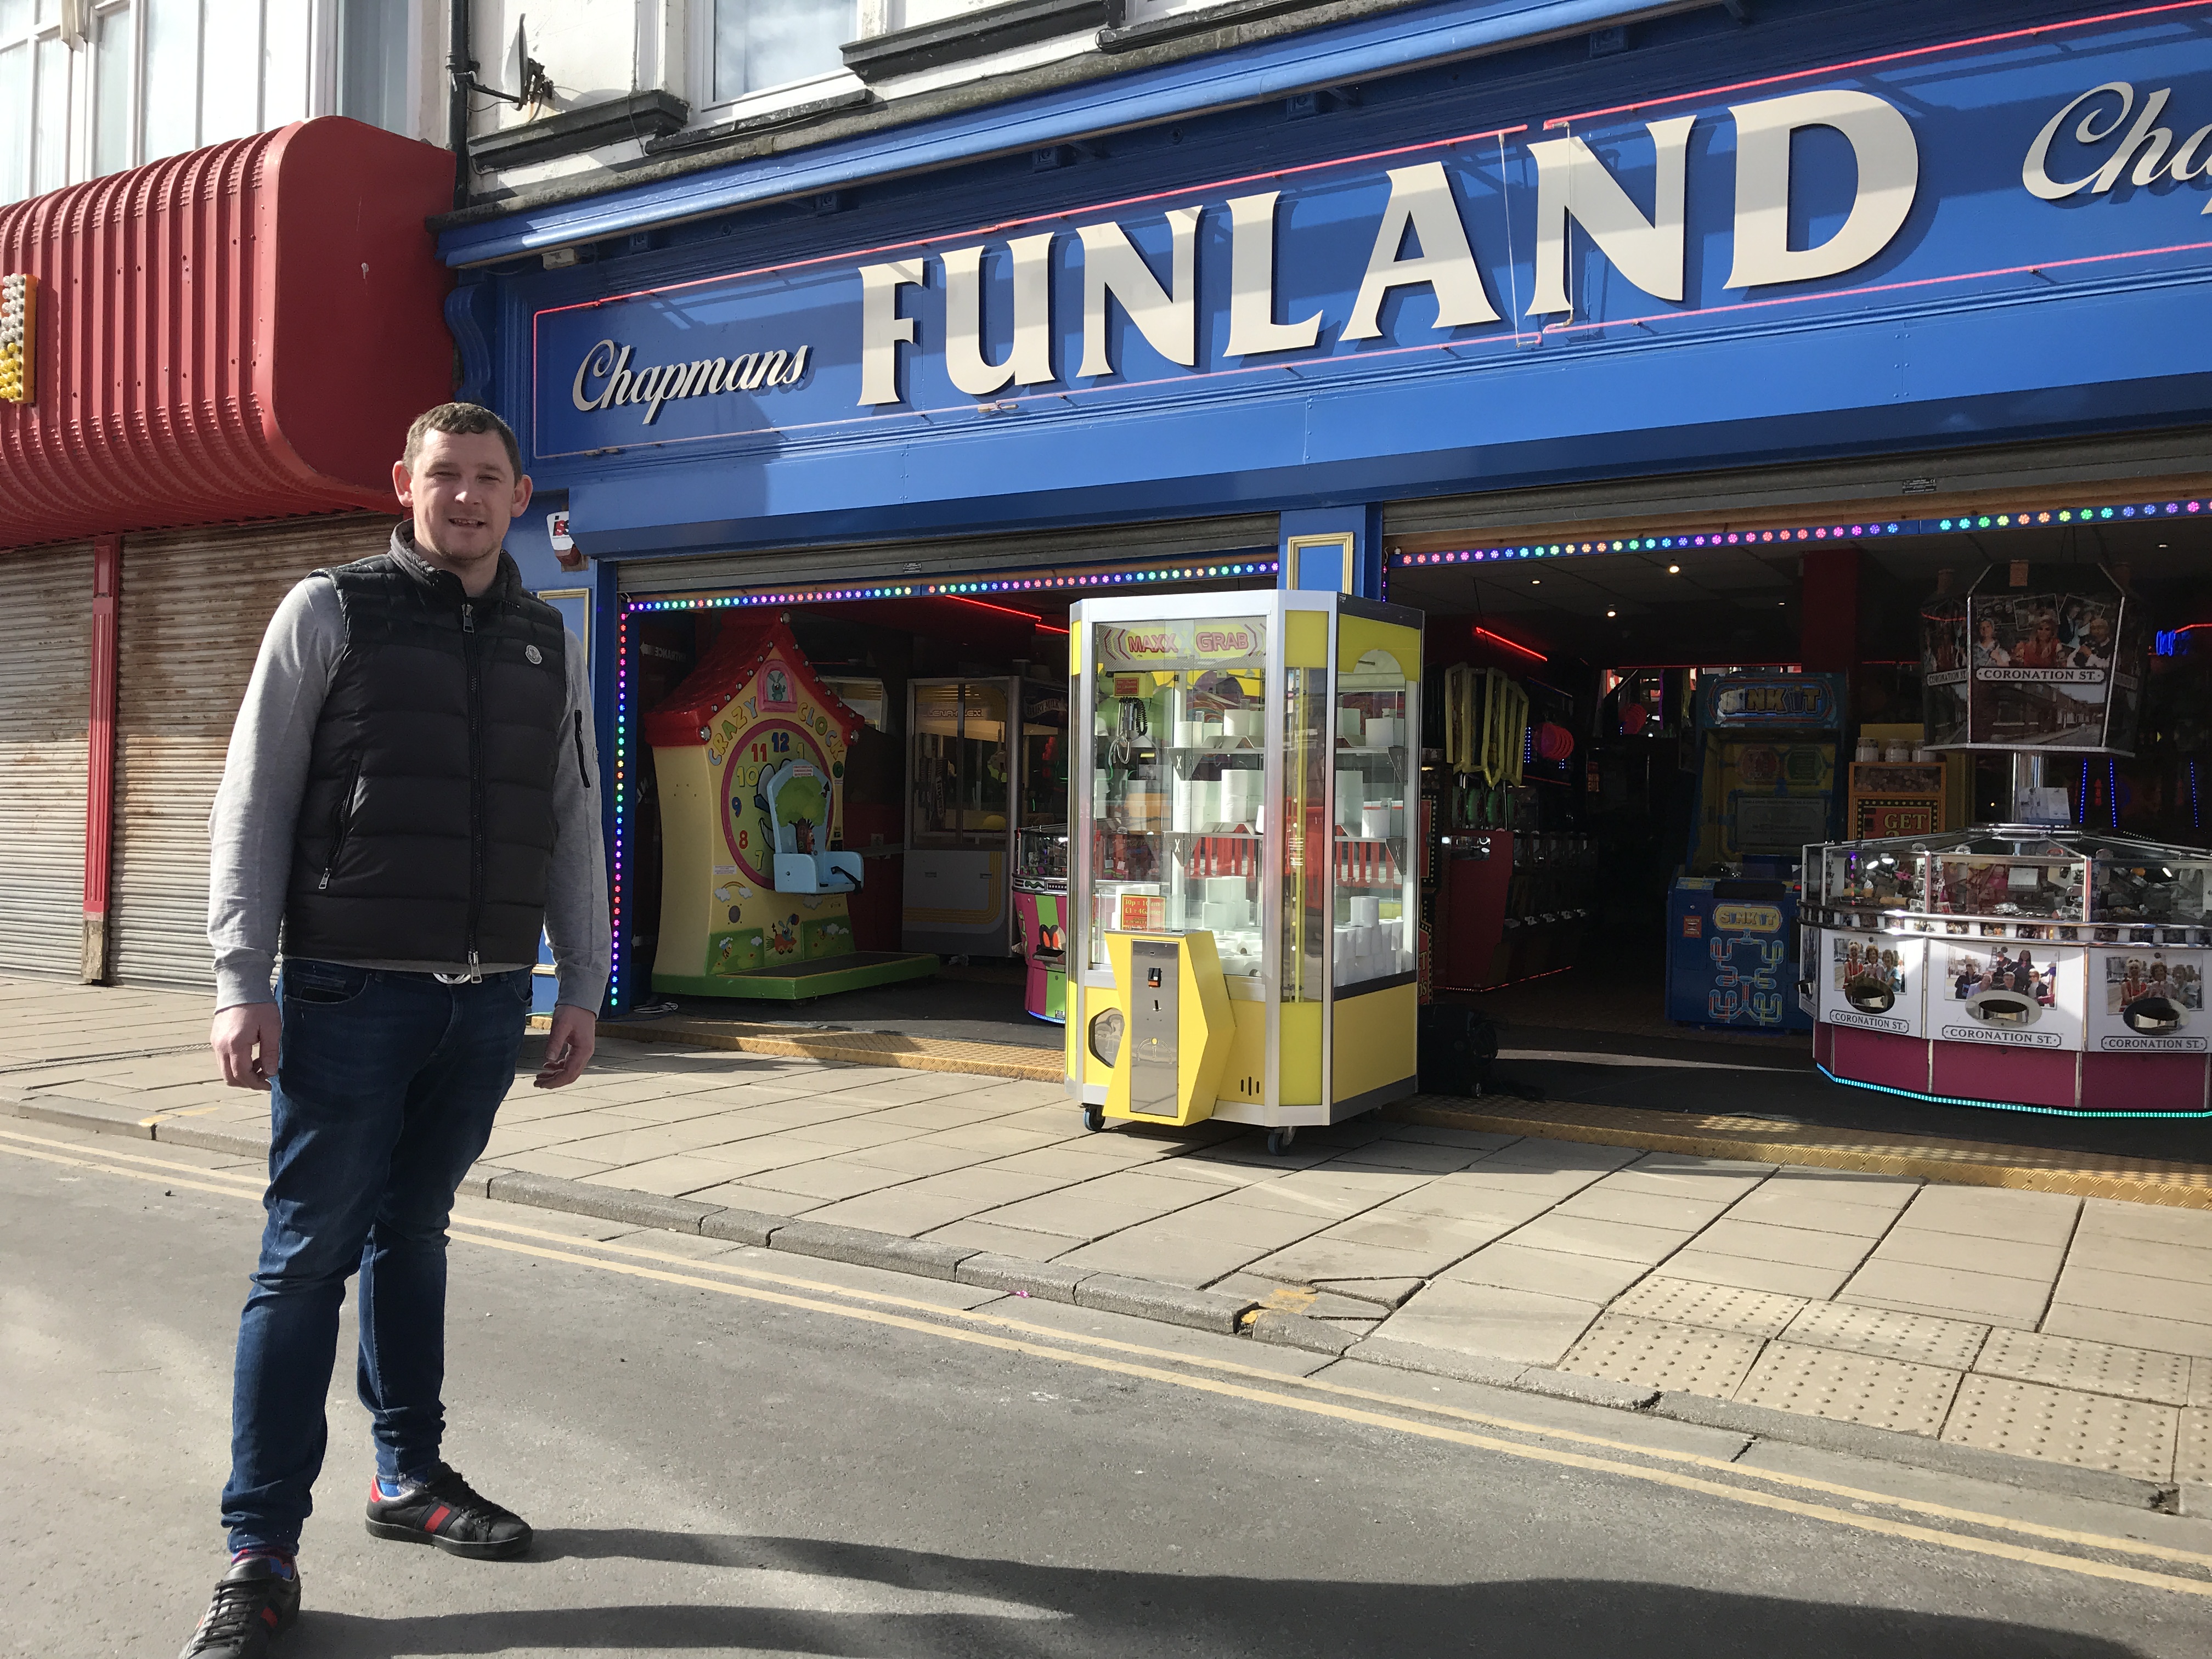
475 783
342 828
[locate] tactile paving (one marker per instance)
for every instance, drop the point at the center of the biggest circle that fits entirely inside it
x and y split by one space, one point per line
1715 1307
2063 1425
2192 1458
2065 1362
1923 1338
1662 1355
1850 1388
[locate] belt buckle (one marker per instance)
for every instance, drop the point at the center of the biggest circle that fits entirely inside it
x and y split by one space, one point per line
457 979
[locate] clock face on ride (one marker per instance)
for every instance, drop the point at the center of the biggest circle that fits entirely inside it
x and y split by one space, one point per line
789 745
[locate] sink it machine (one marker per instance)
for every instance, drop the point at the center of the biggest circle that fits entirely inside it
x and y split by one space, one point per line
749 751
1243 914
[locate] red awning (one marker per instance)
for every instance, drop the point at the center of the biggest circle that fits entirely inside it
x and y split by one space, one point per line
241 332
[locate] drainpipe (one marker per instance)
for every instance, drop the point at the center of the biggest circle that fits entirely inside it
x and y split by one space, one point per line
460 74
100 754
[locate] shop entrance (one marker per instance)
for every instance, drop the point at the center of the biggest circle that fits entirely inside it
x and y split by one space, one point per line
952 793
1558 897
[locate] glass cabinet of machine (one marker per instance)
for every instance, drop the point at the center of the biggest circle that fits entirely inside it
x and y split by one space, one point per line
1998 881
1249 772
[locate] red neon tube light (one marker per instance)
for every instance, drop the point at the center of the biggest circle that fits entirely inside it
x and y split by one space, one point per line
1511 644
1003 611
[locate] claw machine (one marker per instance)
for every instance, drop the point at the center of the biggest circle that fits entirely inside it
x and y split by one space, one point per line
1244 913
962 761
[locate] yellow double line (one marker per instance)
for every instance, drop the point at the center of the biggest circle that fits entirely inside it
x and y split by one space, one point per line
1312 1396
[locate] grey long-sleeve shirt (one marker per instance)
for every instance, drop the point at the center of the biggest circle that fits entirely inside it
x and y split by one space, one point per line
265 774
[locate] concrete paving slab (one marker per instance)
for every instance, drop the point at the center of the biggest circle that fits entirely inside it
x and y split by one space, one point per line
670 1177
1410 1156
2009 1257
1437 1240
1171 1258
2153 1259
1538 1152
828 1179
1752 1273
1951 1344
2091 1367
910 1159
1069 1211
1323 1258
741 1195
1693 1163
2095 1432
1796 1246
1375 1292
2129 1329
2105 1218
1006 1241
1237 1224
1514 1266
1434 1135
1584 1235
1887 1394
1523 1327
555 1164
1791 1205
1454 1196
1546 1186
1669 1357
1297 1298
902 1210
2200 1383
2137 1293
1985 1298
1992 1213
1667 1213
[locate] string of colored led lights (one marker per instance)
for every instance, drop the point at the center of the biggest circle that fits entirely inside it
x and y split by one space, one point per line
1867 531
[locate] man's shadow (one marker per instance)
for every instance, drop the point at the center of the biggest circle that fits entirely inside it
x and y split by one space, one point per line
818 1596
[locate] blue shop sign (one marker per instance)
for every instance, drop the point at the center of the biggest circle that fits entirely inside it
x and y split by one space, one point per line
2072 157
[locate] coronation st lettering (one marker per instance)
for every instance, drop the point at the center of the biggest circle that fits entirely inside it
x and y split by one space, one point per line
1571 183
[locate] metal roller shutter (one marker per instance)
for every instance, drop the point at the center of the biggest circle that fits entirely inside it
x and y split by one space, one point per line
46 671
195 605
957 556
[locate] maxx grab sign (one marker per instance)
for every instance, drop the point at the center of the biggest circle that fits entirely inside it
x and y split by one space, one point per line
2078 155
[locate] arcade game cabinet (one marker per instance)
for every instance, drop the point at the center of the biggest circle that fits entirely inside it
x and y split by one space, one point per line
1767 774
749 751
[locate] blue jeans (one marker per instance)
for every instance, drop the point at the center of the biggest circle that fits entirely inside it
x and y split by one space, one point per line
385 1093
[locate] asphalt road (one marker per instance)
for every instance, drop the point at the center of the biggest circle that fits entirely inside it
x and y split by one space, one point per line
719 1460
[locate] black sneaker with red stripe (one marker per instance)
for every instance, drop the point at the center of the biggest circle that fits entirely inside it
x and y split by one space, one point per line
255 1600
446 1513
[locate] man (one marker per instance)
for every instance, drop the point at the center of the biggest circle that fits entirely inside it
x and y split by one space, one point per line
411 792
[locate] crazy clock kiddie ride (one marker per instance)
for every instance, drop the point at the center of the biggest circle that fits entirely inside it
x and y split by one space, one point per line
1243 914
749 751
2030 964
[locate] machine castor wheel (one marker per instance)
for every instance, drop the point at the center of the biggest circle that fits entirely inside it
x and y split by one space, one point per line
1094 1117
1278 1141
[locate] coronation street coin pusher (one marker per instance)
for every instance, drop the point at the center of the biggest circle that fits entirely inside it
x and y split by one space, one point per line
1244 913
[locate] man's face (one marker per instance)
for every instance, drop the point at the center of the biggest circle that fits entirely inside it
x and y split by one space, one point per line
462 494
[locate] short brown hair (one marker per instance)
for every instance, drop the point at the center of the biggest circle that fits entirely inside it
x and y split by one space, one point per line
460 419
